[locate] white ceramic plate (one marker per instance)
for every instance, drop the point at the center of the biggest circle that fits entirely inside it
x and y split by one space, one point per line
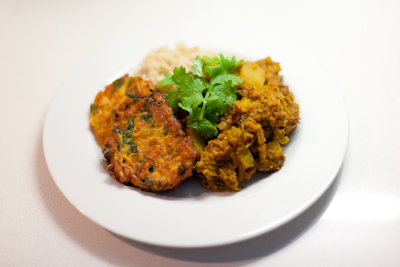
192 216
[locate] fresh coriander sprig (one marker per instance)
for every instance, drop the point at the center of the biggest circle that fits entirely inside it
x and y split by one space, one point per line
206 92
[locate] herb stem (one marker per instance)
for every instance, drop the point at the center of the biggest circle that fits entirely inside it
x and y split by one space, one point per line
203 108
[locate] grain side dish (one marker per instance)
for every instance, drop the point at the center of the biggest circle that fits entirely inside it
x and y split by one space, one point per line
164 60
190 113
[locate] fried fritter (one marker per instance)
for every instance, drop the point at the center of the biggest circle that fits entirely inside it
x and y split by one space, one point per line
253 132
147 147
107 102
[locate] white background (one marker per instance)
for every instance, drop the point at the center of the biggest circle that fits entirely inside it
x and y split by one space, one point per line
355 223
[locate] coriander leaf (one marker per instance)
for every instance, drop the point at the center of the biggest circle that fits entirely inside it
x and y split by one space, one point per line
212 118
221 97
229 64
176 79
192 93
173 99
205 93
197 66
226 65
220 79
207 127
204 127
168 80
226 92
188 109
216 105
179 74
208 61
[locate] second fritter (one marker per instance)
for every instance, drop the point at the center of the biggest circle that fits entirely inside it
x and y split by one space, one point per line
147 147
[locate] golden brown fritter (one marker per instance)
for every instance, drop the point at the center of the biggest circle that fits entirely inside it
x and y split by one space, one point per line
253 131
107 101
147 147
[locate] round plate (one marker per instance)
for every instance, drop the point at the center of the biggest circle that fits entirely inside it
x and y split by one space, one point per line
192 216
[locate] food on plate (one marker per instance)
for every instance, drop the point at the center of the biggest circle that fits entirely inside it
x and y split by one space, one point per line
253 132
107 102
222 119
205 92
147 146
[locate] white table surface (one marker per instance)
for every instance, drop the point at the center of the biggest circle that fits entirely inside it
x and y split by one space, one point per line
355 223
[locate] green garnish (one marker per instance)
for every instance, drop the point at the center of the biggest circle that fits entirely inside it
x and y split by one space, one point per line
131 124
130 83
206 92
147 117
116 129
94 107
148 103
118 83
134 97
127 137
133 147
